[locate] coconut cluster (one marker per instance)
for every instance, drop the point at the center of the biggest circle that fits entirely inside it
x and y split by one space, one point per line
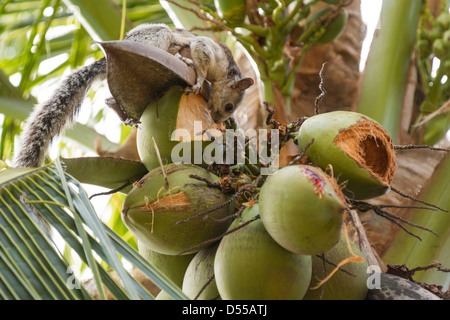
280 238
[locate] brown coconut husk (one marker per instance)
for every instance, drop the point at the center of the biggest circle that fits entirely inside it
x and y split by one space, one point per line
371 147
194 108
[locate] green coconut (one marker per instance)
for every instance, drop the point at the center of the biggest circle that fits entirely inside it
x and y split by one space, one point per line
199 282
358 151
333 28
250 265
163 213
163 295
175 123
341 285
173 267
233 11
302 209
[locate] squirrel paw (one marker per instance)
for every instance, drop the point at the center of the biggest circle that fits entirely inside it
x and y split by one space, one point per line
188 61
195 89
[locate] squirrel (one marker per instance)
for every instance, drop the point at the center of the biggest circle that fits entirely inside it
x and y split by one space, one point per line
212 61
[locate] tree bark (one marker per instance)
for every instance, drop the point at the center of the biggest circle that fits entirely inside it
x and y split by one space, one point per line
341 73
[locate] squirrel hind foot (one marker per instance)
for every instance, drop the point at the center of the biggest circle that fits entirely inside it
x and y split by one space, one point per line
195 89
189 62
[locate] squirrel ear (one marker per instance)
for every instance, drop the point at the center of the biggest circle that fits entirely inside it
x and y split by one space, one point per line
244 84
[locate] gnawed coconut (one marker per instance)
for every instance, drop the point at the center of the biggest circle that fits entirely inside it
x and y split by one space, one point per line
175 122
162 209
358 151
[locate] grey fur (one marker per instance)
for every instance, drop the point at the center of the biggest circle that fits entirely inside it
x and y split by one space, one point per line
50 119
212 61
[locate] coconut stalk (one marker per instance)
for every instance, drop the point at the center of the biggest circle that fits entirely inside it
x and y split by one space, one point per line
413 252
386 74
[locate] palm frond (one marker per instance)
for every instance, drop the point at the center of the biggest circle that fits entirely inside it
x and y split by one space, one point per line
31 264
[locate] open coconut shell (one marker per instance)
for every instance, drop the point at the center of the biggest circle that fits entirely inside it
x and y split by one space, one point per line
137 73
357 149
163 117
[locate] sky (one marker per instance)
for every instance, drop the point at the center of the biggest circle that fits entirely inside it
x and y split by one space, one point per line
370 12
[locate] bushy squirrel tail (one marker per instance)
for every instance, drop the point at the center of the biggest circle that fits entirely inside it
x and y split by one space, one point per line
52 117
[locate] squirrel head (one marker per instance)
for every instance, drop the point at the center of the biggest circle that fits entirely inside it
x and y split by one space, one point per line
226 97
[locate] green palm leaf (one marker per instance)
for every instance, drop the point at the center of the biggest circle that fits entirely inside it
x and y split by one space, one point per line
32 267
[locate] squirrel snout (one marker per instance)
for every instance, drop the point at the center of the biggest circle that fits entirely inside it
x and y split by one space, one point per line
217 119
216 116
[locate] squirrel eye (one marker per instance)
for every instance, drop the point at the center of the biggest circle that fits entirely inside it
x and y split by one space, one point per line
229 107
